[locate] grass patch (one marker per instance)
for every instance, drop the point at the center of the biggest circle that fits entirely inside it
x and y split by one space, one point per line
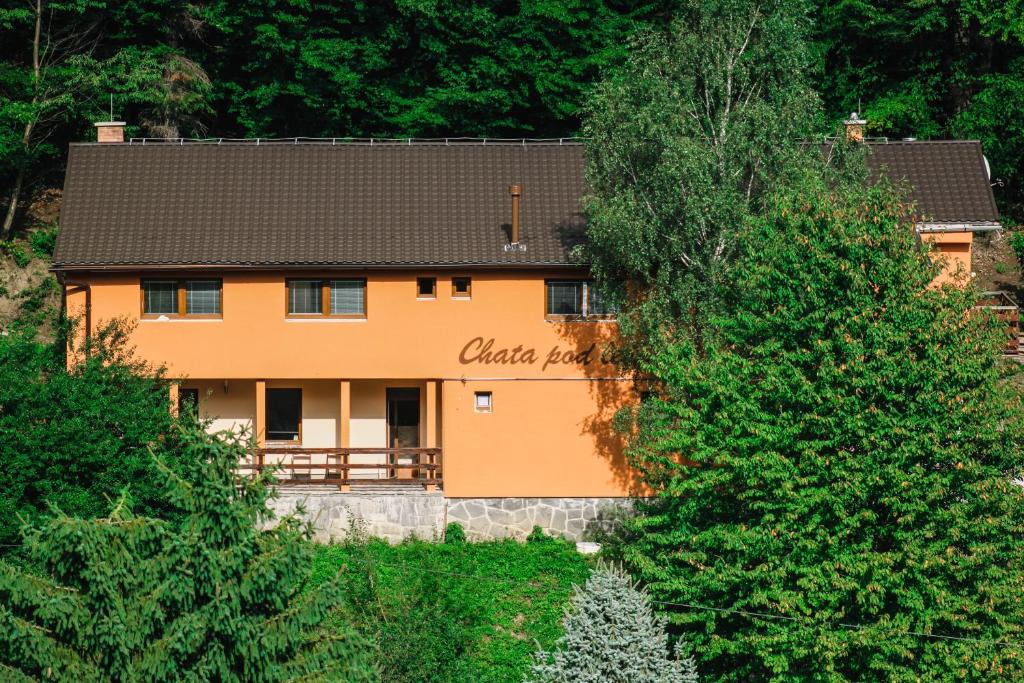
465 612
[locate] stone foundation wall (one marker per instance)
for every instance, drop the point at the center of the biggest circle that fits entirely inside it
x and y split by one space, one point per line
391 516
395 516
575 519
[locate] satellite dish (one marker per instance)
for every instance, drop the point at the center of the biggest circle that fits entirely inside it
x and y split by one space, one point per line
988 169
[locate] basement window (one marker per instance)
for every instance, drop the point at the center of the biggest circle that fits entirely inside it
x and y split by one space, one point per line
462 287
483 402
181 298
426 287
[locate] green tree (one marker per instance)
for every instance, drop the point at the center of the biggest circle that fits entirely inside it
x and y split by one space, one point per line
214 598
702 122
843 454
929 69
74 438
60 62
612 636
432 68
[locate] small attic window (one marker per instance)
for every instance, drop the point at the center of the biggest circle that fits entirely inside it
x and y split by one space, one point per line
426 287
483 401
462 287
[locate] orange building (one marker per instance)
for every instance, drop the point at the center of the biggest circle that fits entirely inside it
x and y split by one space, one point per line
406 314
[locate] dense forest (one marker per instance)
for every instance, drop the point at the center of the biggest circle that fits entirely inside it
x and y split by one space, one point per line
281 68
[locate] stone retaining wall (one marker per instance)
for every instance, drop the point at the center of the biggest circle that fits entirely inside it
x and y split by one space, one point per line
391 516
395 516
573 518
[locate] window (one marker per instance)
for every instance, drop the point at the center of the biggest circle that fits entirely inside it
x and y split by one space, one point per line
337 298
348 297
284 414
426 287
160 298
462 287
305 297
173 298
597 305
576 299
188 399
483 402
202 297
565 298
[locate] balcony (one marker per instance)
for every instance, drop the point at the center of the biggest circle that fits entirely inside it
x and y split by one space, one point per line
335 466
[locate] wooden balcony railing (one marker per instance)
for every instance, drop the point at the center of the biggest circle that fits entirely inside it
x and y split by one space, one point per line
1006 311
333 466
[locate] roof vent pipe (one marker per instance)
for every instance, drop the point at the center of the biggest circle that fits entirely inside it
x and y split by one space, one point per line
516 191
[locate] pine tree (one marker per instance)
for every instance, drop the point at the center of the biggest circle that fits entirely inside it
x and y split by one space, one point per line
612 636
209 598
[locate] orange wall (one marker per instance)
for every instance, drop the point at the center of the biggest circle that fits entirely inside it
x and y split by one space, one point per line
561 429
402 337
554 395
954 248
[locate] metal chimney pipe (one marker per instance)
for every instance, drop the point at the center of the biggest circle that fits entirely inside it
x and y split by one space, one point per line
516 191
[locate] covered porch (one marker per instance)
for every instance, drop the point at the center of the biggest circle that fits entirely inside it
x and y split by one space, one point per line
330 432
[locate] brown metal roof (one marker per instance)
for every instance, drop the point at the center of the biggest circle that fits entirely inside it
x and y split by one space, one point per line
948 179
318 204
436 204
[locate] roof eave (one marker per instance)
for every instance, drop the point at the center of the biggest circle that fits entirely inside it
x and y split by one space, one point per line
92 267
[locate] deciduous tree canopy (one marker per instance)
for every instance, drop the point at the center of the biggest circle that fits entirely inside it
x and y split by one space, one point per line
843 453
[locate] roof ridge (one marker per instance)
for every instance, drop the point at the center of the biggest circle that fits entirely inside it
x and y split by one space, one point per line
345 142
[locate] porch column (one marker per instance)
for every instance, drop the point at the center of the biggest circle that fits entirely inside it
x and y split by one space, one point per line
259 425
344 426
430 434
174 394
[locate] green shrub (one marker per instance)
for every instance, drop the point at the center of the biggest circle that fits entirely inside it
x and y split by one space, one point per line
213 598
33 309
612 636
43 241
454 533
1001 267
454 612
1017 243
537 535
16 252
75 438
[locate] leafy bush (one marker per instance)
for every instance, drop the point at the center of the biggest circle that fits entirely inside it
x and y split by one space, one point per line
454 533
1017 243
16 252
33 309
464 612
43 241
76 438
843 453
612 636
213 598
